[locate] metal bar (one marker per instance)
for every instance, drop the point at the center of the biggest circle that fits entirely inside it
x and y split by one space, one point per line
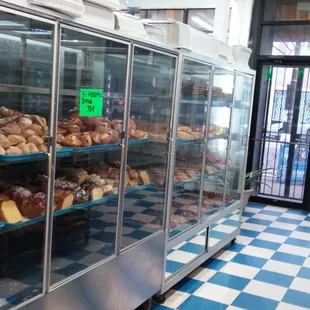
296 105
205 141
48 239
284 142
124 150
229 140
171 158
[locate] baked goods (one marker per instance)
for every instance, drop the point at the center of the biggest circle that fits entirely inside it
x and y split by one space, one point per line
63 199
12 150
184 135
27 133
16 139
11 129
42 148
143 177
9 212
59 138
24 148
86 139
2 151
19 194
95 192
72 140
73 113
38 130
35 206
104 127
4 112
24 123
35 140
80 195
184 129
4 142
76 175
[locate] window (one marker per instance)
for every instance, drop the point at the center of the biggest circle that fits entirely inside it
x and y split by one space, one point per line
202 20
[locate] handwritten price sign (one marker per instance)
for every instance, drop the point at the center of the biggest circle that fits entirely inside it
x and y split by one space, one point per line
91 102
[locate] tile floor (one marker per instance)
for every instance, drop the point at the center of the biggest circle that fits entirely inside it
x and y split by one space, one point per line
267 268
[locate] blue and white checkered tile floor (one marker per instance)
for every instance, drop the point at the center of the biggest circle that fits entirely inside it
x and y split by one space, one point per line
267 268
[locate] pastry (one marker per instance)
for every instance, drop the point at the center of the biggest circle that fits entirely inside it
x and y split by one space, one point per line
59 138
86 139
33 148
11 129
27 133
4 142
38 120
35 206
95 179
78 122
8 112
7 120
143 177
16 139
105 138
58 147
38 130
61 130
117 124
19 194
72 140
42 148
63 199
138 134
73 129
2 151
76 175
12 150
133 174
92 121
197 134
107 188
132 124
184 128
9 212
24 148
95 137
35 140
184 135
103 127
95 192
24 123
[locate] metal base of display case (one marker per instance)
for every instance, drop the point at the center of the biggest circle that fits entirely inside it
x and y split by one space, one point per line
124 282
200 259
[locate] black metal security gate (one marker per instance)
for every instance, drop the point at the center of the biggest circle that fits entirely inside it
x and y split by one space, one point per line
282 145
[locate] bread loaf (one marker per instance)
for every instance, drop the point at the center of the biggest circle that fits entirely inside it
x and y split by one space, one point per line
185 129
184 135
33 148
27 133
63 199
24 148
12 150
38 130
24 123
76 175
2 151
86 139
19 194
144 177
16 139
9 212
36 140
94 191
11 129
71 140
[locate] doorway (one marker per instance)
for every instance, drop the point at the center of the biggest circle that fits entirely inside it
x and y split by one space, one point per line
283 132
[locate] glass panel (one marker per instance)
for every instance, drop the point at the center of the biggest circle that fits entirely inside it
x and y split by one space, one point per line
150 114
177 15
239 133
189 146
25 80
218 131
289 40
202 20
223 228
279 10
92 80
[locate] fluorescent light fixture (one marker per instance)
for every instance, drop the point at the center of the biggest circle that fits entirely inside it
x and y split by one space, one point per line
7 23
202 23
41 33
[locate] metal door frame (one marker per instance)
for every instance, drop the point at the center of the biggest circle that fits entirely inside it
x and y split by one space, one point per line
253 163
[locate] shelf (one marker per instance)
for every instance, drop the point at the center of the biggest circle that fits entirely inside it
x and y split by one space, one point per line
67 151
219 137
216 102
184 142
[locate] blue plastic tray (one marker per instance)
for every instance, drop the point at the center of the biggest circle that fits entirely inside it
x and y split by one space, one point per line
66 151
183 141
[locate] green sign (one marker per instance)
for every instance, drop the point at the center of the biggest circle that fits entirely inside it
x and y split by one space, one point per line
268 74
91 102
300 73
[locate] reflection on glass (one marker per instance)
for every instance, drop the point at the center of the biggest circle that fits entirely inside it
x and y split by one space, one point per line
239 132
90 120
217 160
202 20
161 15
278 10
189 146
150 114
25 80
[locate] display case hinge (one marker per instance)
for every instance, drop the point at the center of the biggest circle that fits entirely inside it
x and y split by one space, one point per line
49 141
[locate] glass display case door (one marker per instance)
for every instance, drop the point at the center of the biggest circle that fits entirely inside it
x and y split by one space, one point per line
26 95
217 157
92 97
149 132
191 125
238 138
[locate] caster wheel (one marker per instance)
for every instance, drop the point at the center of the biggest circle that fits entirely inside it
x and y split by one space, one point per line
160 299
233 241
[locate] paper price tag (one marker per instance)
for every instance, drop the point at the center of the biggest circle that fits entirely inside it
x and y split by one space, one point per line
91 102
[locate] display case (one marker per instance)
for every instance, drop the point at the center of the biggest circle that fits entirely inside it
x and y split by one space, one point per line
113 151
